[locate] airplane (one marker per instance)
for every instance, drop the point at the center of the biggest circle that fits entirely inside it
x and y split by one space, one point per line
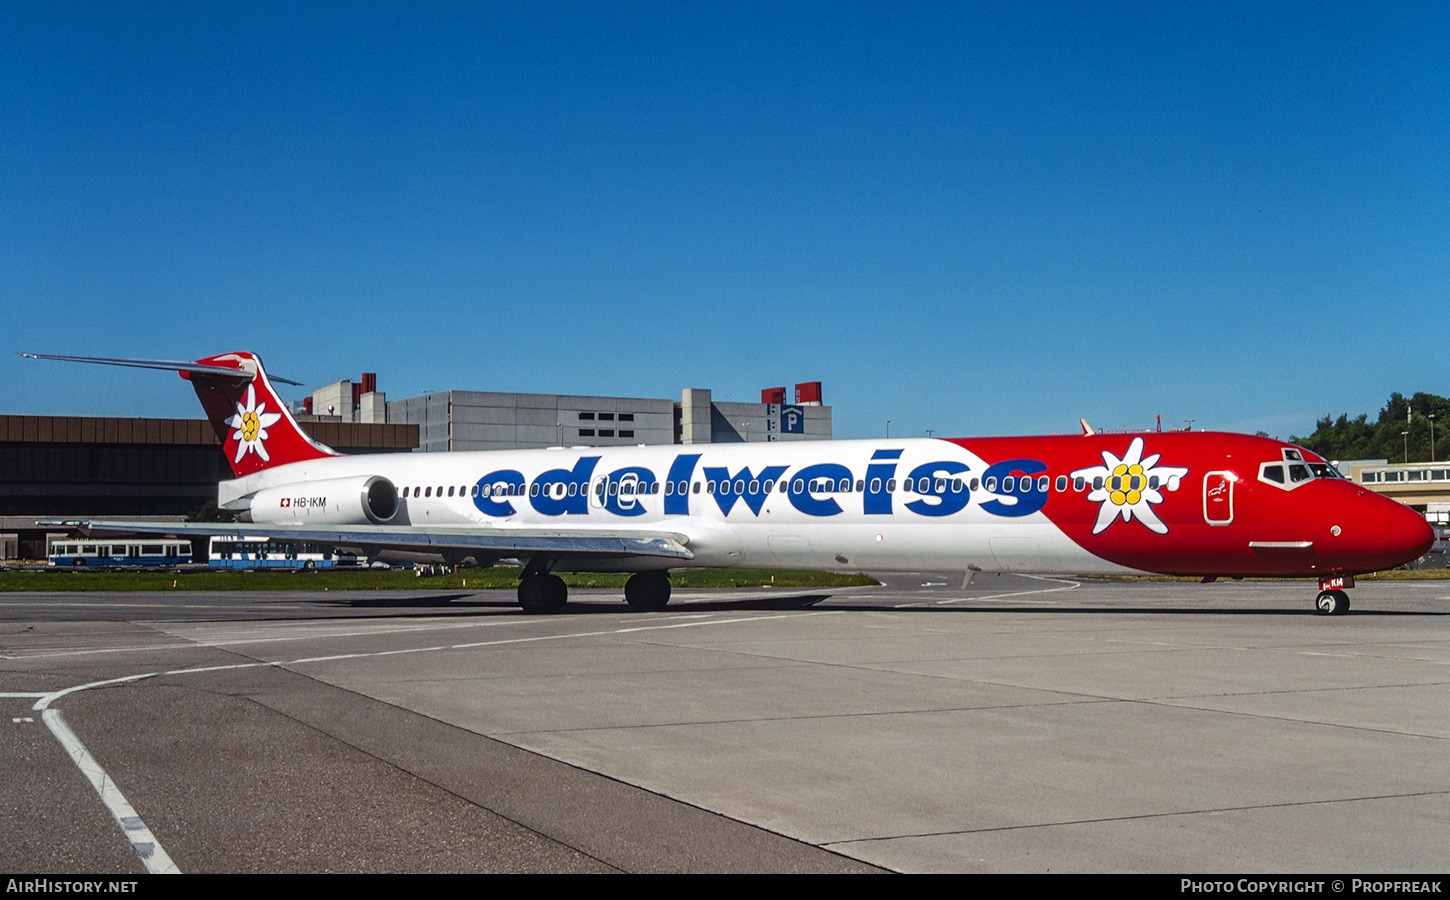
1202 504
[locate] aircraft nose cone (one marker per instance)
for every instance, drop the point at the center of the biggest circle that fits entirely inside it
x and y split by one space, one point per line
1409 530
1382 534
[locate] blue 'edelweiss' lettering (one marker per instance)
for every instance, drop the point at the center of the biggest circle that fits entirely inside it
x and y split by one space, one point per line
625 486
677 501
942 494
493 484
742 485
800 495
571 496
877 501
939 488
1018 493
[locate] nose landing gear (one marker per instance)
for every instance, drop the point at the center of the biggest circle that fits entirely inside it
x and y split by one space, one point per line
1332 603
1332 600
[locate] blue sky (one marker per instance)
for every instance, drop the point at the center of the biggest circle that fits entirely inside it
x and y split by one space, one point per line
975 218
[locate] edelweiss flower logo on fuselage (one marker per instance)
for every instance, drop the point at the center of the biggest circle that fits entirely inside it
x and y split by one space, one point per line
1128 487
251 423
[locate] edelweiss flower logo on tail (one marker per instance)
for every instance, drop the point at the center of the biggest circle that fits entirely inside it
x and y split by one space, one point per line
251 423
1128 487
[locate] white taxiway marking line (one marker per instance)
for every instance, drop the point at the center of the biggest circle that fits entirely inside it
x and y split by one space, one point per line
1068 586
351 629
142 840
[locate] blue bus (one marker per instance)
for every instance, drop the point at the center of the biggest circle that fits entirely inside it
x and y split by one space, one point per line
258 552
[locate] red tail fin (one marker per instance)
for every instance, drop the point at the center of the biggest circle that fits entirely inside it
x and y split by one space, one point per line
255 428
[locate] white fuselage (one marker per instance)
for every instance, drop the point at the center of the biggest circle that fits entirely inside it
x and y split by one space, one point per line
845 505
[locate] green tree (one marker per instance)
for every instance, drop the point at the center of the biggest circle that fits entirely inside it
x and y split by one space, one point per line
1402 430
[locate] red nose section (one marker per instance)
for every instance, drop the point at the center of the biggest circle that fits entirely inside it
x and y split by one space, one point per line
1376 534
1410 532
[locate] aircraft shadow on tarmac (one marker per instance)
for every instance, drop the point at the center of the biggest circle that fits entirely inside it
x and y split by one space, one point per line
467 602
586 605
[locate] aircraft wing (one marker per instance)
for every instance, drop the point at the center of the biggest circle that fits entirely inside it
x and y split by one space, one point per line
499 542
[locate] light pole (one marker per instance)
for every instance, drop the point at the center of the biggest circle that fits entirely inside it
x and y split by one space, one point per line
747 431
1432 437
1406 436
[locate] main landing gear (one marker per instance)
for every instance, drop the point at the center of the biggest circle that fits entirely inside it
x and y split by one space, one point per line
542 592
647 590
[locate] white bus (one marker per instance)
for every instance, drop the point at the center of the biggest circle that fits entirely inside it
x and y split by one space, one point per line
116 553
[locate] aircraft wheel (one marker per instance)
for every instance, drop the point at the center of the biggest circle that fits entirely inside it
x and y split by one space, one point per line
647 590
543 594
1332 603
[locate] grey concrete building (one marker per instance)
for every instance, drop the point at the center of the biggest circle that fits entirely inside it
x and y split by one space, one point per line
482 420
490 420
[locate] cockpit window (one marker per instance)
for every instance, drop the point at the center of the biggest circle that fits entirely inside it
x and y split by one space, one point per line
1295 470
